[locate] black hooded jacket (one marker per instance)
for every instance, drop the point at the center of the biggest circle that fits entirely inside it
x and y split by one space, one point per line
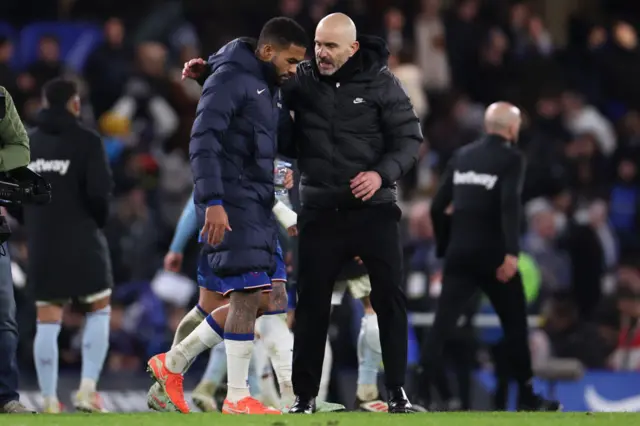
68 254
358 119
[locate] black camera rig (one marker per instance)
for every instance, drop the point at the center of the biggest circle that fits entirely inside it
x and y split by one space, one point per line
23 186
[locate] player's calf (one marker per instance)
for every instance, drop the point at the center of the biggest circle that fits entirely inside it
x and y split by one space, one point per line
369 361
239 333
95 346
45 352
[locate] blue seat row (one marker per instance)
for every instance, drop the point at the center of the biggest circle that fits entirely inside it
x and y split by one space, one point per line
77 41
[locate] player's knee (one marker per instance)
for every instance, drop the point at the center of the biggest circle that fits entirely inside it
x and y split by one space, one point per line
49 313
99 304
277 298
265 300
209 301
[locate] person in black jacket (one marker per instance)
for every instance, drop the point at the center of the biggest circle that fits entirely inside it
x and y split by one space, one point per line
68 253
354 133
476 220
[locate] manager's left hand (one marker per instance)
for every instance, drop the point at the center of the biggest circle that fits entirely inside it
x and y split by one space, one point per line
365 185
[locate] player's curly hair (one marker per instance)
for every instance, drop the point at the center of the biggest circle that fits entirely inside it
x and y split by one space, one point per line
283 32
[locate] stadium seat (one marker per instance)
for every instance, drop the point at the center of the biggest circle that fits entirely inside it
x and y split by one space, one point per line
77 41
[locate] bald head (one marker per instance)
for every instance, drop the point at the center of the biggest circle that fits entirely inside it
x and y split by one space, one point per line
335 42
503 118
340 25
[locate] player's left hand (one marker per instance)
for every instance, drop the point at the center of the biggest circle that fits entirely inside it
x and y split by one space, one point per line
173 262
288 179
365 185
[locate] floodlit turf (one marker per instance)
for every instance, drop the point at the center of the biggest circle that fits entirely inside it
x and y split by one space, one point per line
336 419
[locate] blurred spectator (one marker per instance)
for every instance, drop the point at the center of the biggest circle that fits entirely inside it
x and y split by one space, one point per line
145 100
108 67
404 68
624 210
565 336
593 251
133 238
464 34
621 66
394 30
295 9
544 146
618 318
581 118
539 37
493 76
430 47
8 77
519 15
541 243
47 67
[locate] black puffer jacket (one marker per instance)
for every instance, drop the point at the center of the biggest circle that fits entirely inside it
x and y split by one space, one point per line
358 119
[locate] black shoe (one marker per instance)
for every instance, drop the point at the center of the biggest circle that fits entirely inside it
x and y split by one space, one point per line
534 402
303 406
398 401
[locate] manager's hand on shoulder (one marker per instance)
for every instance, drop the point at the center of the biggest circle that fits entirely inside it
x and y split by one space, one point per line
365 185
216 223
194 68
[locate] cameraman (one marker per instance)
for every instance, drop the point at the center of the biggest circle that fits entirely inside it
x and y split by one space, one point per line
68 253
14 154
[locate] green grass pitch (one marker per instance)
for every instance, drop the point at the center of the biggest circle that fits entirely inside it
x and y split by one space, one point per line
329 419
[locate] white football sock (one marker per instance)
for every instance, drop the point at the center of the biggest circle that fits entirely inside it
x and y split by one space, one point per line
238 359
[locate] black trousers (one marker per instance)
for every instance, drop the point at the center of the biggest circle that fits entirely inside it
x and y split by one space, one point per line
327 240
459 286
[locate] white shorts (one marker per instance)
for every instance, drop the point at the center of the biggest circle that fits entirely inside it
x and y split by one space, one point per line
85 300
359 287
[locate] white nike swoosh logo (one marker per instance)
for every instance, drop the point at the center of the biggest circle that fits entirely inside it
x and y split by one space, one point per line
260 91
597 403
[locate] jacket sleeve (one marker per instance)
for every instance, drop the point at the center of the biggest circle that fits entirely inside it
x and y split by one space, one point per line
439 218
402 133
222 95
511 202
98 180
14 150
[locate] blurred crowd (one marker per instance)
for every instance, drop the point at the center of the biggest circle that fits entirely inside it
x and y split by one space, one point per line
581 136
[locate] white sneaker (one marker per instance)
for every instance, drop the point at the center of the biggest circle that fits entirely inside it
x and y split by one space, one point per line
52 406
202 397
88 402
